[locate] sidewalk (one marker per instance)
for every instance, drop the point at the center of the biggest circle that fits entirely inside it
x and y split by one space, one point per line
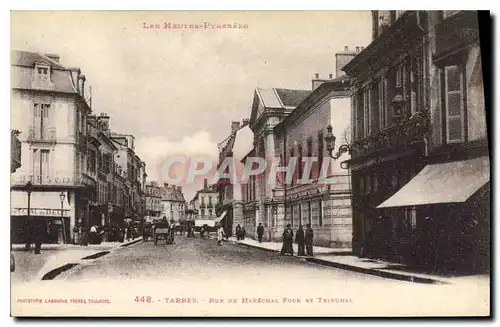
343 259
32 267
276 247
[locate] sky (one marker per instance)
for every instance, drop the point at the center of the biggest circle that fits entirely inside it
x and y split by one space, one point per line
177 90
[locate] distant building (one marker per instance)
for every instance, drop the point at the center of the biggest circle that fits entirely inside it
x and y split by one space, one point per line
206 200
234 148
173 203
153 201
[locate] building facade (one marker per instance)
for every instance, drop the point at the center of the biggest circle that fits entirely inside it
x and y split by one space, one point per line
173 204
231 151
153 201
49 109
206 200
419 158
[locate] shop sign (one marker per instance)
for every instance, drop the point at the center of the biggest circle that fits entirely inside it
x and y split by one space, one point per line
39 212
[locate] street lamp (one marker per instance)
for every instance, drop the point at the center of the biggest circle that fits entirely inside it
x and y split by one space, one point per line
29 187
62 196
330 144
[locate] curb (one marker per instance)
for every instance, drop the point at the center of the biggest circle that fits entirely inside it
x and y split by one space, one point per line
57 271
368 271
377 272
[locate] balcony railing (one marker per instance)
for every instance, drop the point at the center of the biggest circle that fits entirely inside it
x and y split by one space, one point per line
456 31
15 146
401 135
47 134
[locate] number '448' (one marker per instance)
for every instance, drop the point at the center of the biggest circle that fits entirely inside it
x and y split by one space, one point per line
143 299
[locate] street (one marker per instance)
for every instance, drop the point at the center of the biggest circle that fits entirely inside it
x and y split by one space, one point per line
197 277
203 259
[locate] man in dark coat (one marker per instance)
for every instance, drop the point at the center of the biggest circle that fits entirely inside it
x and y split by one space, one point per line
300 239
309 240
260 232
28 233
287 241
39 234
243 233
238 232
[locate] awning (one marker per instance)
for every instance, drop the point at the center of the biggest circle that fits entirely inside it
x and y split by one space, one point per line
218 219
450 182
41 204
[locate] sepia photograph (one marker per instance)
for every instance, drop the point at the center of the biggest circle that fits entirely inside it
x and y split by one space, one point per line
250 163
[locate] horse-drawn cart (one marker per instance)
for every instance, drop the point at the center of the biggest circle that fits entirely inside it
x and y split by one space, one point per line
162 232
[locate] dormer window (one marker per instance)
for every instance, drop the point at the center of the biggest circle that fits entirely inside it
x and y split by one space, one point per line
42 71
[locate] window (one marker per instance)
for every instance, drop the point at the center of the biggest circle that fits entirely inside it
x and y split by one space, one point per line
309 213
42 72
291 213
454 104
320 151
41 113
91 161
366 111
41 165
360 129
299 163
374 106
320 213
202 212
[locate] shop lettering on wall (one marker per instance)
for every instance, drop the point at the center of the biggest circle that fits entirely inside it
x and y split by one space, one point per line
38 212
49 180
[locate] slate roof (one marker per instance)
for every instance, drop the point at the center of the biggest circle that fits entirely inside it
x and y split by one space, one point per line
292 98
171 193
23 73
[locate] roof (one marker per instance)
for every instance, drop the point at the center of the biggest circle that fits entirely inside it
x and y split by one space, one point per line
243 143
280 98
22 75
171 193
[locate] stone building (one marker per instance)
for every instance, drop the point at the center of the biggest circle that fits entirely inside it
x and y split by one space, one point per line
419 158
48 107
173 203
153 201
233 149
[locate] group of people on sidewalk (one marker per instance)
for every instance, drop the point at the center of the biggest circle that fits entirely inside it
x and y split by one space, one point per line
304 239
240 232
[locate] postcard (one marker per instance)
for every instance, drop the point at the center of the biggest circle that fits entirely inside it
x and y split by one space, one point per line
249 164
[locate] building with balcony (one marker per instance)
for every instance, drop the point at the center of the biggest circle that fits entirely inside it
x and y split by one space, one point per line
231 151
153 201
419 158
48 107
173 204
206 201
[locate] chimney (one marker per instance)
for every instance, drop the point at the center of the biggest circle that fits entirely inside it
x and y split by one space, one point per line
362 48
165 184
316 76
205 183
357 49
179 189
346 48
330 76
245 121
53 56
316 81
82 89
235 125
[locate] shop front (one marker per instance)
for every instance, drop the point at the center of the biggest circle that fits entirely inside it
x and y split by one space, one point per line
49 208
445 210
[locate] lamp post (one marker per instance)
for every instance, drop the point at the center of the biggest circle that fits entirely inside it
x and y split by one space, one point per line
29 187
62 196
330 145
274 211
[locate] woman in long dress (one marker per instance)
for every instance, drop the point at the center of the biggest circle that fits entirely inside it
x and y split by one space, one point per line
220 235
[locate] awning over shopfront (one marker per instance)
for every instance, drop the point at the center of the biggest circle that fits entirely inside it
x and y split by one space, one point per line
218 219
41 204
450 182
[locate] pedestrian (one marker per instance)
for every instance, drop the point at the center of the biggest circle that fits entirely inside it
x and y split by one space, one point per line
309 240
243 233
40 234
260 232
287 241
238 232
220 235
301 241
28 233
